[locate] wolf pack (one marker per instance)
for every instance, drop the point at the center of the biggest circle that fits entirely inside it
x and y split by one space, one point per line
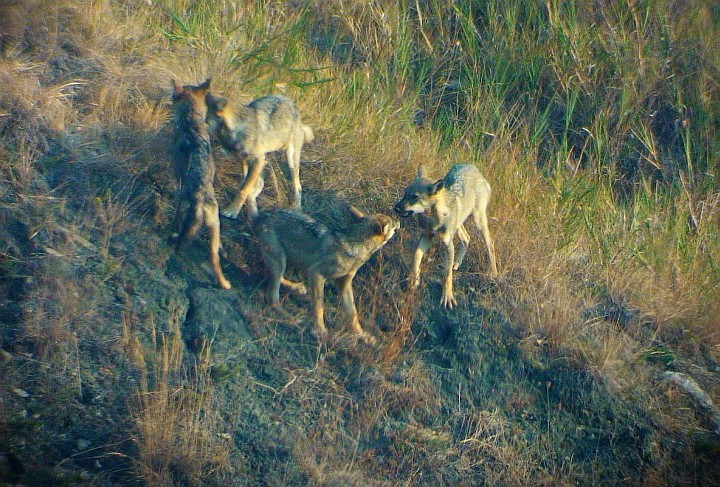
291 237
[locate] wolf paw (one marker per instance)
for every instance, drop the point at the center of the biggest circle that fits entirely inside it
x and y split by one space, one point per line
321 334
298 287
366 338
448 301
230 212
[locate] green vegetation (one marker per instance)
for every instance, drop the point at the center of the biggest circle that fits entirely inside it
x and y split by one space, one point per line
596 124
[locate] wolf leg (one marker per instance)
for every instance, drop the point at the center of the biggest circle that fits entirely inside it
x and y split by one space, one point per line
293 158
252 207
347 297
212 221
298 287
256 168
448 298
464 237
275 261
481 220
317 284
348 304
420 251
191 224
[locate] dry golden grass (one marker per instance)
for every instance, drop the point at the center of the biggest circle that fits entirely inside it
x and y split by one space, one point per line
85 99
178 439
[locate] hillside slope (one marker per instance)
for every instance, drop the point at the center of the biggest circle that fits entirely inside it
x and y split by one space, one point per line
592 359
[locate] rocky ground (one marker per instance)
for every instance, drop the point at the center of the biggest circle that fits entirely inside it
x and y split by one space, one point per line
122 363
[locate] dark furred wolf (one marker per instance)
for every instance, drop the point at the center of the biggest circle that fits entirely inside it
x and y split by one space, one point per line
291 237
250 131
443 207
195 170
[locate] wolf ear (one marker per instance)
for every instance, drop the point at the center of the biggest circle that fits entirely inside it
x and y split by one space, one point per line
177 88
437 186
379 228
218 103
356 212
421 171
203 87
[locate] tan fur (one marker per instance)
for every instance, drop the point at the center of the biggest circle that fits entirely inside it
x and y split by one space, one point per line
195 171
443 207
290 237
267 124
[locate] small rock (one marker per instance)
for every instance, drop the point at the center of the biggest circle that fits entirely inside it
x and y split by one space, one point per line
20 392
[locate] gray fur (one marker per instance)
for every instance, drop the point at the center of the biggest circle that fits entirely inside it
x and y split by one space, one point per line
443 207
267 124
195 170
290 237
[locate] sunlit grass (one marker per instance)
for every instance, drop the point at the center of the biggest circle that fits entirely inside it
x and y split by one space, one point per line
595 126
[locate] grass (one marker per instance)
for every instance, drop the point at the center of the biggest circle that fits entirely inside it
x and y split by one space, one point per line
595 125
177 441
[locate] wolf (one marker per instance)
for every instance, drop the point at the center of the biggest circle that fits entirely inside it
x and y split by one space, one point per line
443 207
250 131
195 170
288 236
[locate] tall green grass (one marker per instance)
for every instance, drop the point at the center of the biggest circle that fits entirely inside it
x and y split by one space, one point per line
596 125
614 104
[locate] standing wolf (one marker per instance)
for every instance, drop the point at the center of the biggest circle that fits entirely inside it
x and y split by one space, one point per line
195 170
443 207
291 237
250 131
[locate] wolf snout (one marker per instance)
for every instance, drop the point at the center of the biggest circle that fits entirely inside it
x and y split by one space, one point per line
400 210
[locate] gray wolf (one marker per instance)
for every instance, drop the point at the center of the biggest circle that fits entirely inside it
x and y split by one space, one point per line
195 170
250 131
288 236
443 207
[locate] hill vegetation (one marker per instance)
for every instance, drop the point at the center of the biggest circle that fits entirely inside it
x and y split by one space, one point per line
593 359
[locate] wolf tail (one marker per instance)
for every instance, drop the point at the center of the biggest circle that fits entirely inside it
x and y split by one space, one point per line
309 134
194 219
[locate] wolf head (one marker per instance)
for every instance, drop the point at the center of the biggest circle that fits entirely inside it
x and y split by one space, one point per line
379 227
190 99
217 115
420 195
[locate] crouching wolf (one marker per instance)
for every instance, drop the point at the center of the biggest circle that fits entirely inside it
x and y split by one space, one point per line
195 170
443 207
250 131
288 236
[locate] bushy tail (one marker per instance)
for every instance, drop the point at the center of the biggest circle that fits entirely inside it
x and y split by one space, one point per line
193 220
309 134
